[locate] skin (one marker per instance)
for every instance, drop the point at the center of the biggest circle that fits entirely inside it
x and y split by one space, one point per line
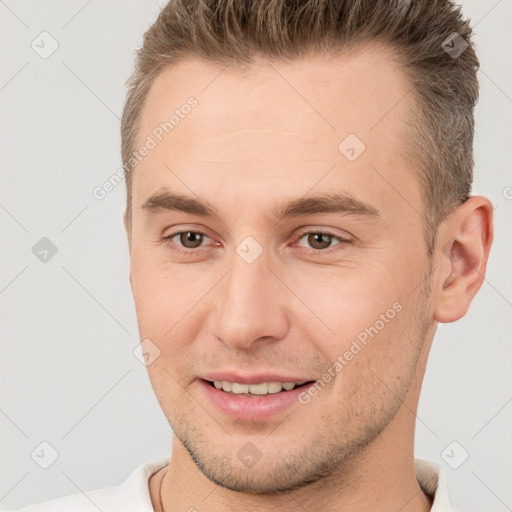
252 143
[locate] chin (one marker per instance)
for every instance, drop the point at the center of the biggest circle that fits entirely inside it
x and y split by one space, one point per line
273 473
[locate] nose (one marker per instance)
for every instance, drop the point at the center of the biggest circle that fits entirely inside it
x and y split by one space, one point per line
251 306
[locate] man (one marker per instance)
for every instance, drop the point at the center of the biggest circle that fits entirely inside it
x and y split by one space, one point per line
299 220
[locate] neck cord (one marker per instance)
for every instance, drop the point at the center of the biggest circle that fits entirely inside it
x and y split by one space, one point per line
160 493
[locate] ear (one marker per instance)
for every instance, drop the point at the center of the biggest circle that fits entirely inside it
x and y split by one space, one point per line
465 239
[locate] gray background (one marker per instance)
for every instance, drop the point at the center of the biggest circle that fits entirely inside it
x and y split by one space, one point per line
68 373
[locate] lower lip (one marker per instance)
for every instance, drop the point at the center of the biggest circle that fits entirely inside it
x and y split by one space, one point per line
252 409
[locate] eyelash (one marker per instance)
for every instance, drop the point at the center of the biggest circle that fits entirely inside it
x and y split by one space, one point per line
342 241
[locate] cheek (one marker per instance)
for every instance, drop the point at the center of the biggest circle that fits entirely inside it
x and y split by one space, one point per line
333 304
373 321
349 302
163 291
170 308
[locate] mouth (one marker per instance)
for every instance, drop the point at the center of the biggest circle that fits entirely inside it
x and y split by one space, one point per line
257 398
256 390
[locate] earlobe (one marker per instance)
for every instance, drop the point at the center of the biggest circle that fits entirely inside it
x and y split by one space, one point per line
465 240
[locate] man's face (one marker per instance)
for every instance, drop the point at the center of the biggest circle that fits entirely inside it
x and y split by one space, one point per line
260 298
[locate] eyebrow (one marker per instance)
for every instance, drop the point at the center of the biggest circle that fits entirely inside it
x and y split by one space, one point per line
341 203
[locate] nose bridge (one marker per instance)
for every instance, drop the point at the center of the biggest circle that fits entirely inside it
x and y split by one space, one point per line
248 305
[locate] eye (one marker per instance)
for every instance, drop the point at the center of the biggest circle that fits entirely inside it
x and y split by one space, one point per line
321 240
189 240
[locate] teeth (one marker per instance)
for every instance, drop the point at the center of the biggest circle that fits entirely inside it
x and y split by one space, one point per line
258 389
240 388
254 389
274 387
226 386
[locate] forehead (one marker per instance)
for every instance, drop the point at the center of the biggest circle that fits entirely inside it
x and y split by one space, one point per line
350 93
280 123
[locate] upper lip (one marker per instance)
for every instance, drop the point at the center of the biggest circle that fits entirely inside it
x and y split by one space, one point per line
256 378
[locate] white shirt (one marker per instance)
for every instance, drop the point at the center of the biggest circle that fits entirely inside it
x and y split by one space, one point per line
133 494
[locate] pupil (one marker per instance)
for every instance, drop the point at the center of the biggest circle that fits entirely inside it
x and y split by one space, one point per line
313 239
190 236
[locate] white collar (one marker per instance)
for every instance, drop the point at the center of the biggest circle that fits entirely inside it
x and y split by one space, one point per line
432 480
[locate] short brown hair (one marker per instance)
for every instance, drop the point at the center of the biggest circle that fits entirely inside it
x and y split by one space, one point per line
232 32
